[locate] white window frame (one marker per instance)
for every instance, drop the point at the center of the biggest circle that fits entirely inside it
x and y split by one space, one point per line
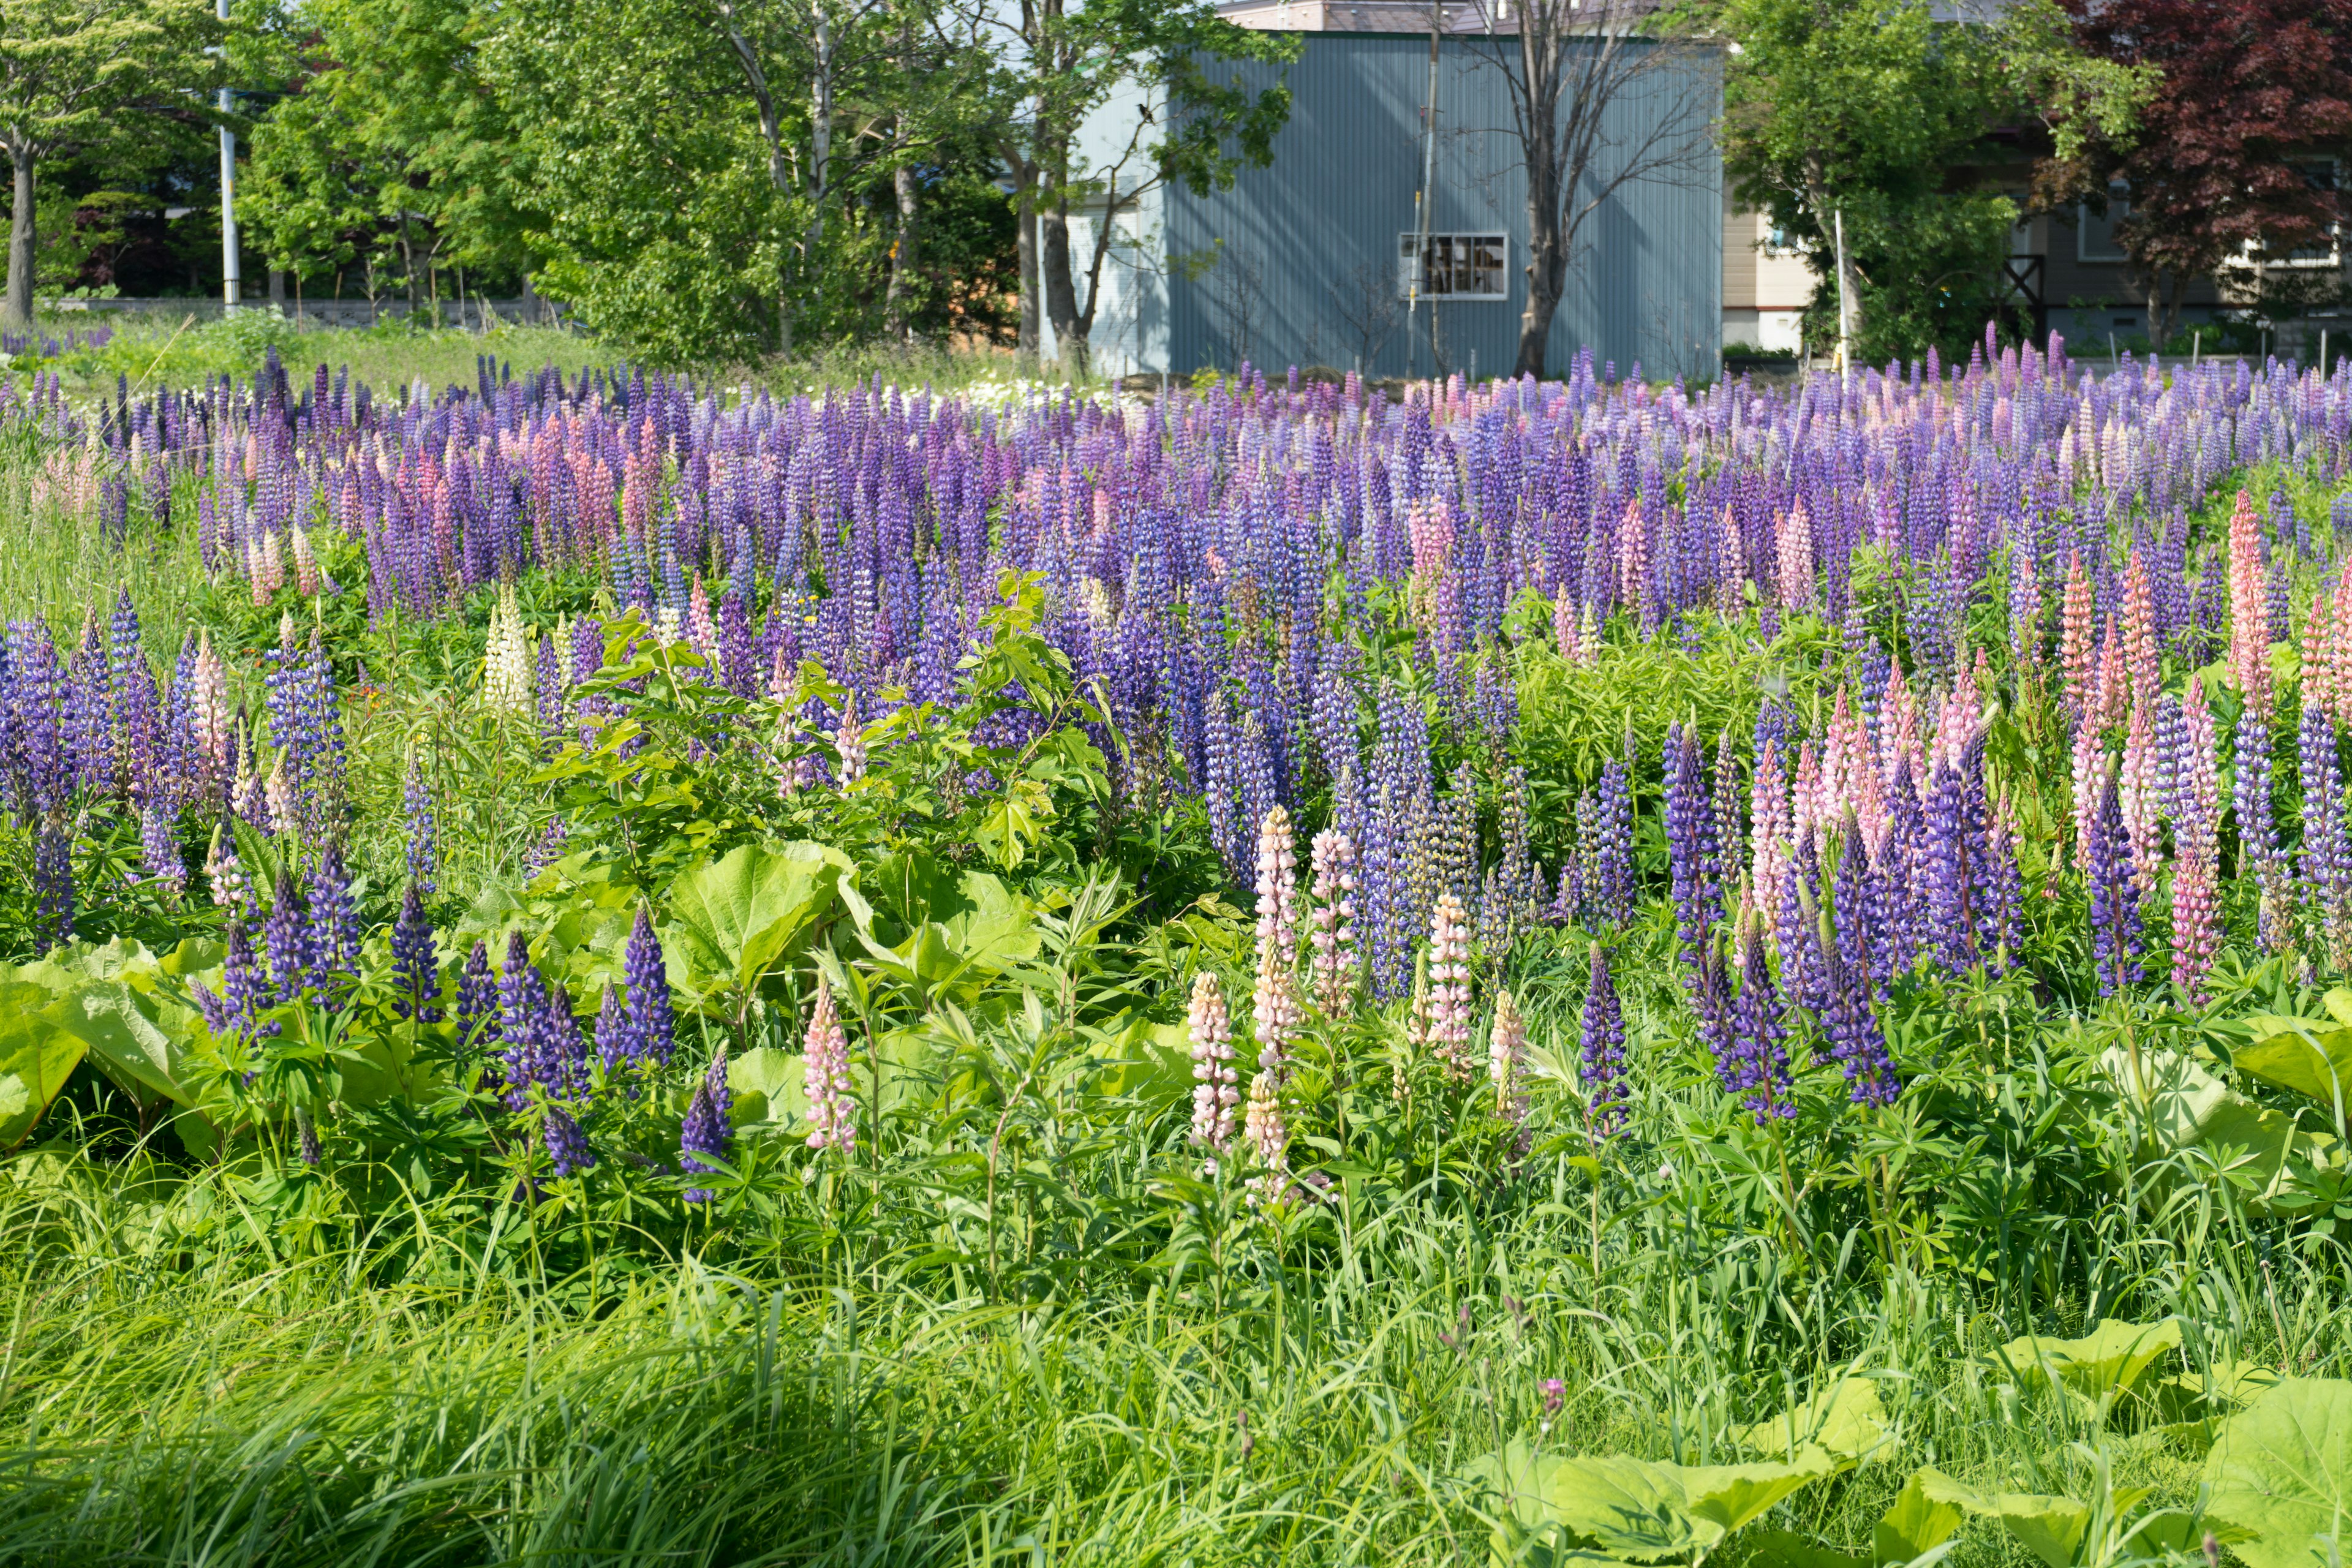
1410 261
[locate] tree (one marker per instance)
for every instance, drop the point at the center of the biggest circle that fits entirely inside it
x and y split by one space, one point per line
67 67
2233 144
390 144
1187 124
1605 94
1875 110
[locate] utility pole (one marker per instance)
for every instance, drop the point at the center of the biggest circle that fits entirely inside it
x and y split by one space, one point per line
1423 199
232 281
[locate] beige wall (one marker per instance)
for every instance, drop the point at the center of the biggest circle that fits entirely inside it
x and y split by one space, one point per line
1764 292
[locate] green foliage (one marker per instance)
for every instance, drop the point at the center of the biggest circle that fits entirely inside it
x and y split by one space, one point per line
2281 1472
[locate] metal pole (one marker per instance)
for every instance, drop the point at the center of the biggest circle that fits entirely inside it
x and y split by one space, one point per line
1837 220
232 279
1422 202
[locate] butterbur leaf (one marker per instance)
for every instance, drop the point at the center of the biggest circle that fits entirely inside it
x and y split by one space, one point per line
734 920
37 1052
2281 1472
2049 1527
1847 1419
1924 1516
767 1085
1787 1548
2108 1359
1634 1510
2311 1055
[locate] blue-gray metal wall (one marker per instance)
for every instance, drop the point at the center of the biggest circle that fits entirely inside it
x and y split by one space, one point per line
1320 226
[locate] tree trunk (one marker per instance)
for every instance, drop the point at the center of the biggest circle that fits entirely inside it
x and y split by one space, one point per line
894 318
23 244
820 155
1029 344
277 285
1061 290
1547 266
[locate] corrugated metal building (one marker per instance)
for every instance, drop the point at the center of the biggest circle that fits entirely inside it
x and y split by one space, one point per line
1302 263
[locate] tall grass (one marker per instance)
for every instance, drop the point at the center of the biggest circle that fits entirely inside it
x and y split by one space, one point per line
167 1401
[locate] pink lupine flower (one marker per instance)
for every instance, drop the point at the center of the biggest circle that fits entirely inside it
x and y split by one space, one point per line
825 1074
1214 1094
1334 936
1449 987
1274 1012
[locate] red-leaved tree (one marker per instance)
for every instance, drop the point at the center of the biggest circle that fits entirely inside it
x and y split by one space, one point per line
2256 95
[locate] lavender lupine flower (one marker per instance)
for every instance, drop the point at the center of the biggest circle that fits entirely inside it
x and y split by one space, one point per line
1521 887
1449 987
653 1028
1605 1091
416 976
159 851
53 882
1760 1068
424 828
567 1145
833 1115
2115 894
1691 845
1611 884
1215 1096
704 1135
1275 1012
2327 850
1334 935
2258 851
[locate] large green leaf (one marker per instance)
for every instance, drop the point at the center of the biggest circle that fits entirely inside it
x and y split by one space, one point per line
734 920
1637 1511
768 1085
2108 1359
1923 1516
2310 1056
2281 1472
37 1054
2050 1527
1846 1419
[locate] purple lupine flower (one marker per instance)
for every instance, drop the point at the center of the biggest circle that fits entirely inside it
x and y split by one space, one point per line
416 971
477 994
2114 893
1804 971
423 827
653 1029
1691 845
1947 871
2327 850
2258 851
1758 1070
1853 910
53 882
244 992
288 935
1605 1090
1610 881
334 920
704 1135
567 1145
1851 1023
522 1019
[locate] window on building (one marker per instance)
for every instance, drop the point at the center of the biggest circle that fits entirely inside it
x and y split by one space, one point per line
1455 267
2095 232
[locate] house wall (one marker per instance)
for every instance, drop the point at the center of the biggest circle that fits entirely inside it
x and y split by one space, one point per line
1765 290
1297 264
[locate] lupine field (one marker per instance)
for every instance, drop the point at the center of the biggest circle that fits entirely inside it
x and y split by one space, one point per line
607 968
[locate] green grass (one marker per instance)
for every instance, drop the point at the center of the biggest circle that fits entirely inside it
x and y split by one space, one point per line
174 1393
